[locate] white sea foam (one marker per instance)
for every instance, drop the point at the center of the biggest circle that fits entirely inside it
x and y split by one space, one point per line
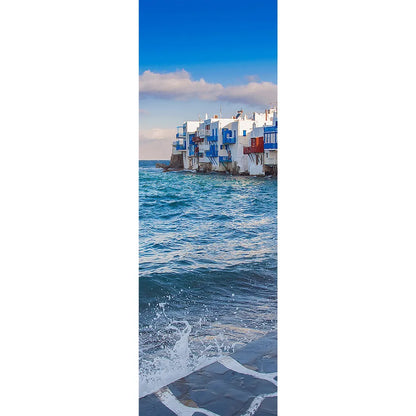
174 362
190 352
173 348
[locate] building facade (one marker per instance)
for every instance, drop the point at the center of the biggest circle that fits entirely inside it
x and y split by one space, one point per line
238 145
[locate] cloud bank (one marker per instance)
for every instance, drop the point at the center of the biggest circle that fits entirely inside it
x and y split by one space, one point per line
156 143
179 86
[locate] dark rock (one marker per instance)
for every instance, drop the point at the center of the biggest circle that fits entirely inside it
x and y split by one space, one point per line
176 162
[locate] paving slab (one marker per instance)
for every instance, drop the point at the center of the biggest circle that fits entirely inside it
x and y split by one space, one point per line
226 388
151 406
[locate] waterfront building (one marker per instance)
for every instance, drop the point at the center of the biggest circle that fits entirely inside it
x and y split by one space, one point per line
270 147
238 145
234 138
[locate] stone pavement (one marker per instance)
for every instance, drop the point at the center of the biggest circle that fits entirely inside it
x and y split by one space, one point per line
243 384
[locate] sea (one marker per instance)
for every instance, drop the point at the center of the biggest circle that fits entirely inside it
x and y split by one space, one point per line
207 268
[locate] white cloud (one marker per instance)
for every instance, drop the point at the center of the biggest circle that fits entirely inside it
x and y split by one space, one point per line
252 93
157 134
156 143
179 85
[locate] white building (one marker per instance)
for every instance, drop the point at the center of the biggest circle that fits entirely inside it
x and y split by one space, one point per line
270 147
261 158
226 144
234 138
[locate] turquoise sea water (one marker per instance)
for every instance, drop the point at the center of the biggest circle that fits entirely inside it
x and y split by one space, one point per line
207 268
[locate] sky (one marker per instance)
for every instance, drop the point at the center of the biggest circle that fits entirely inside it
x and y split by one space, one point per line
197 57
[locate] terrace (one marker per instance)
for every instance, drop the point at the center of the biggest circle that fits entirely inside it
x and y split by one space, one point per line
270 137
257 146
180 132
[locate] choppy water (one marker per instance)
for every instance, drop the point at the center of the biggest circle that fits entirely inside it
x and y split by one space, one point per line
208 260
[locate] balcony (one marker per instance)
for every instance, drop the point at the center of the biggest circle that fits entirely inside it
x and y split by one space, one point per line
257 146
180 132
197 139
213 151
270 138
213 138
225 159
248 150
229 140
180 145
227 137
270 146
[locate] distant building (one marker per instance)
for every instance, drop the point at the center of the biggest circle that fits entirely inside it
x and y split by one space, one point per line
238 145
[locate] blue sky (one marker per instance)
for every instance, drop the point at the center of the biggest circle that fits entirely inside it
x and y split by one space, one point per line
197 55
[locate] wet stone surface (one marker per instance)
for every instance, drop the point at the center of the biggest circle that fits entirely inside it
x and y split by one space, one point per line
152 406
222 390
268 407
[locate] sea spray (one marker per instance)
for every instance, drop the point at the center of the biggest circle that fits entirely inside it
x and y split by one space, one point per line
180 348
174 362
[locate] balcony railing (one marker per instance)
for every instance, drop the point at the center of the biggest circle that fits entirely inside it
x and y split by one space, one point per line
180 145
197 139
257 146
270 146
212 138
227 137
270 137
211 153
229 140
247 150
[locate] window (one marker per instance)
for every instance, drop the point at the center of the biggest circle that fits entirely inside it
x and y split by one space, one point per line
244 133
235 133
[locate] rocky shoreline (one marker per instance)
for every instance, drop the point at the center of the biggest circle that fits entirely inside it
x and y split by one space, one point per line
176 164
